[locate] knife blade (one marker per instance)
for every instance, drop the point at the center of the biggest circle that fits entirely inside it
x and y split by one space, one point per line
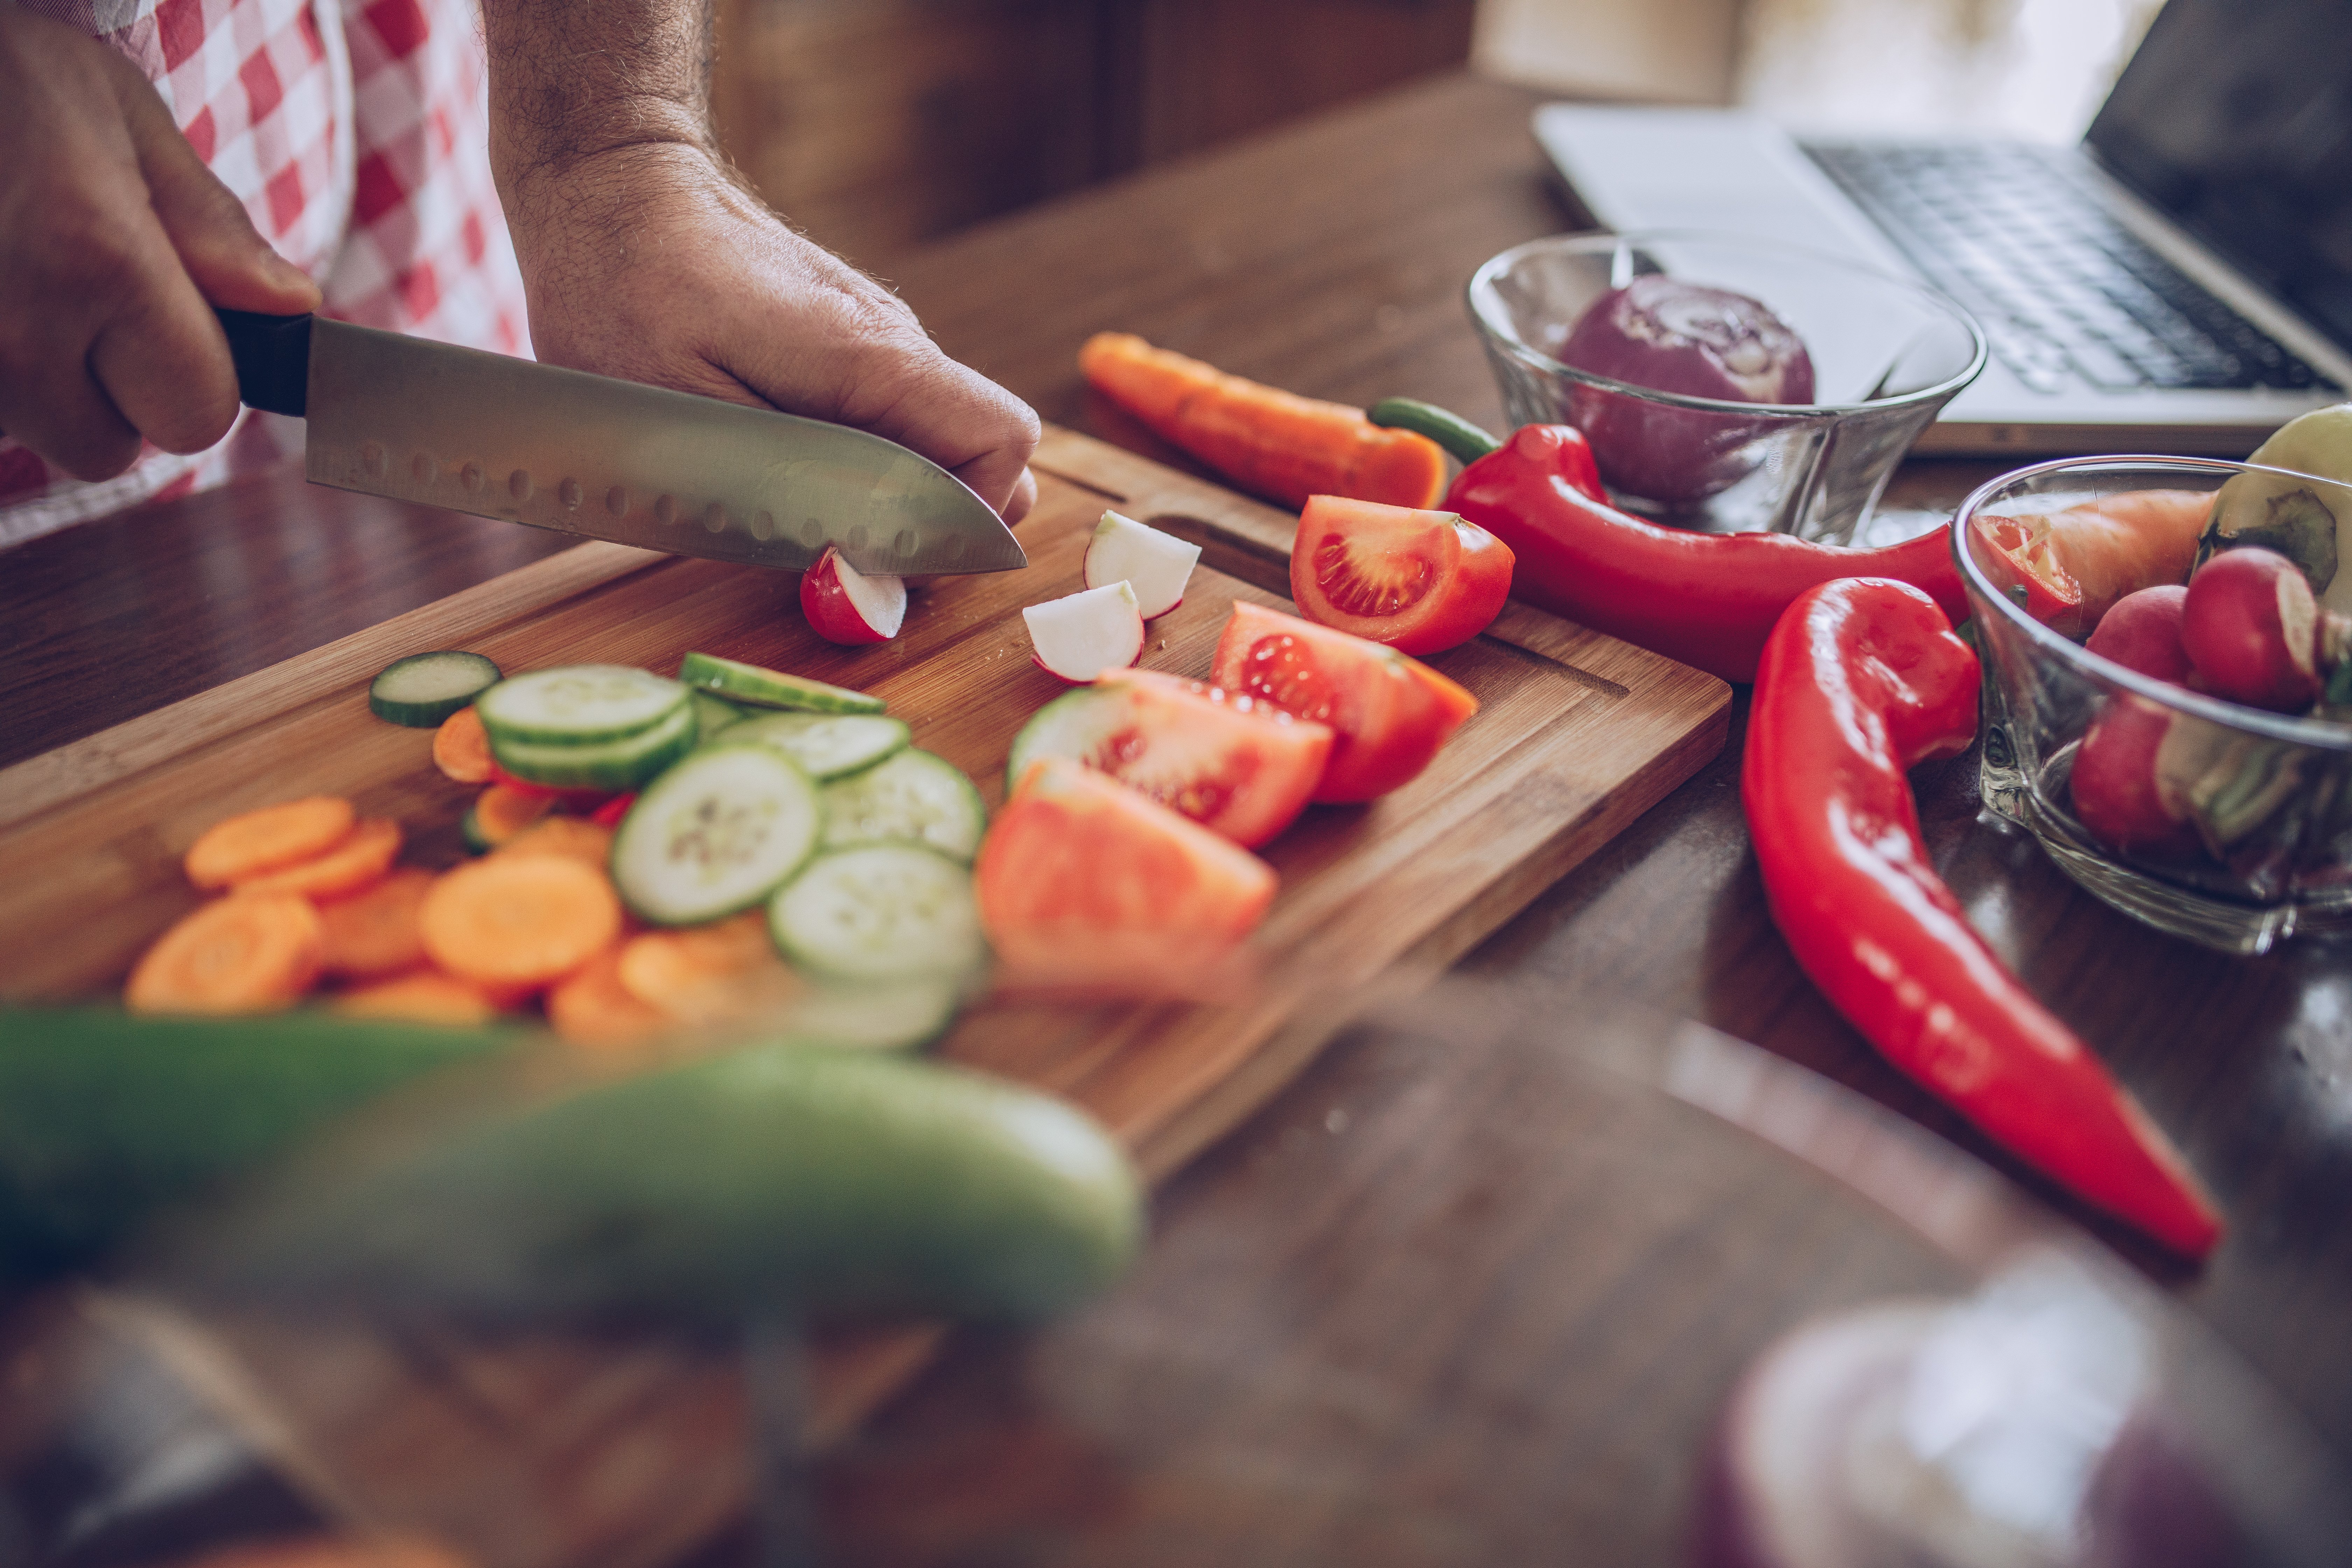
496 437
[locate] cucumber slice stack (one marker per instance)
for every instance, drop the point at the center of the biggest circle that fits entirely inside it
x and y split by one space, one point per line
715 834
588 726
884 911
425 689
739 682
912 798
829 745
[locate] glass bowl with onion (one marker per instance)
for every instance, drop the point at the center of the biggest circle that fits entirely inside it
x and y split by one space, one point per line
2216 820
1725 382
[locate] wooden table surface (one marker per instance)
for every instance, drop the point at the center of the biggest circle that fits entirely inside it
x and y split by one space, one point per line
1448 1300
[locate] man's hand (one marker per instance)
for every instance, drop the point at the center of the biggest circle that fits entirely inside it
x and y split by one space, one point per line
644 258
115 242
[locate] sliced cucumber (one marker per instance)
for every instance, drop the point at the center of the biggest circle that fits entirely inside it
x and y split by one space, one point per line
578 704
898 1016
880 912
740 682
711 715
425 689
913 797
828 745
715 834
618 764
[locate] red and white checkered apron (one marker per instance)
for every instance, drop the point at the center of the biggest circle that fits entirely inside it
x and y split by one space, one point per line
356 133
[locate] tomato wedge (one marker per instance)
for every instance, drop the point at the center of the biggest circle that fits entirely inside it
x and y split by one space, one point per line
1082 882
1420 582
1238 766
1388 713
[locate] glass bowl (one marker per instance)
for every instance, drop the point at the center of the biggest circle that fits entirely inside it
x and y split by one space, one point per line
2266 849
1887 355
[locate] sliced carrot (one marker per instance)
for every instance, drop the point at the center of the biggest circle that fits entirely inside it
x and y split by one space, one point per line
422 995
331 1552
502 810
358 863
257 841
1284 447
375 933
461 748
721 973
576 838
521 920
254 952
592 1007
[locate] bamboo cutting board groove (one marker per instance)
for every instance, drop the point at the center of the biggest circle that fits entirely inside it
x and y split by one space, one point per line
559 1448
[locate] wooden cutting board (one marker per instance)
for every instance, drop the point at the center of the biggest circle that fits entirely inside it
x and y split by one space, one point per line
559 1447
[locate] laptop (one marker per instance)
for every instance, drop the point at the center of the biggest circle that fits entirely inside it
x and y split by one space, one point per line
2179 282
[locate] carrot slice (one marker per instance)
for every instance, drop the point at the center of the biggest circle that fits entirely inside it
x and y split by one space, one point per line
522 919
257 841
502 810
375 933
574 837
709 974
592 1007
461 748
254 952
358 863
423 996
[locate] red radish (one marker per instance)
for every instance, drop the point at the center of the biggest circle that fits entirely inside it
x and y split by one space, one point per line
2142 633
2252 628
1080 636
1156 565
2133 773
845 605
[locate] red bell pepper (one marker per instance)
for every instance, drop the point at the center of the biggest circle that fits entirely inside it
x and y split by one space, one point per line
1862 680
1707 599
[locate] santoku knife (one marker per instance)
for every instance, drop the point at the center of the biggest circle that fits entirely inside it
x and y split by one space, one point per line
483 432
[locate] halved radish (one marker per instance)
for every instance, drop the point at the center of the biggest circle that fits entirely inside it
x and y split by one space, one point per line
1079 636
1156 565
847 606
2252 628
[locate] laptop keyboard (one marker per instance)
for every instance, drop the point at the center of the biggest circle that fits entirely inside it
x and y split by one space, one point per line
2062 289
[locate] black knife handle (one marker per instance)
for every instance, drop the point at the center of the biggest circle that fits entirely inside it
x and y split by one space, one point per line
273 358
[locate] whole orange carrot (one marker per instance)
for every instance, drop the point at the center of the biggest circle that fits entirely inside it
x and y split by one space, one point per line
1278 444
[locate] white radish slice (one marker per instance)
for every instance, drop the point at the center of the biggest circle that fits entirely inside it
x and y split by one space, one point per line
1156 565
1080 636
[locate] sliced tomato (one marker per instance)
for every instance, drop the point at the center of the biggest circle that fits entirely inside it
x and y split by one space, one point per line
2024 556
1238 766
1083 882
1420 582
1388 713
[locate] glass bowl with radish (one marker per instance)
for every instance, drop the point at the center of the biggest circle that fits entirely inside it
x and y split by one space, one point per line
2167 647
1725 382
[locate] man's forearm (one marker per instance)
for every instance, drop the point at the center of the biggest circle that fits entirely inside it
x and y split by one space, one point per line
569 82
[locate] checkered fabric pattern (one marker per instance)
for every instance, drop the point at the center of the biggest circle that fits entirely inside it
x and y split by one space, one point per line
356 134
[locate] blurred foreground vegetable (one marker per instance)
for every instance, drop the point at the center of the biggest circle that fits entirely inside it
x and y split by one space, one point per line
1860 681
1275 443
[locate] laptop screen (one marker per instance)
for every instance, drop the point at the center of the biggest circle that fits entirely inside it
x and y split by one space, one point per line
2235 118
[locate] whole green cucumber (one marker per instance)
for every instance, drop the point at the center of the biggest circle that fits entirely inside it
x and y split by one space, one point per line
777 1177
106 1118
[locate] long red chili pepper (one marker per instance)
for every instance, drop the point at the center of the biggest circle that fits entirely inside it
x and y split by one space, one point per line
1862 680
1707 599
